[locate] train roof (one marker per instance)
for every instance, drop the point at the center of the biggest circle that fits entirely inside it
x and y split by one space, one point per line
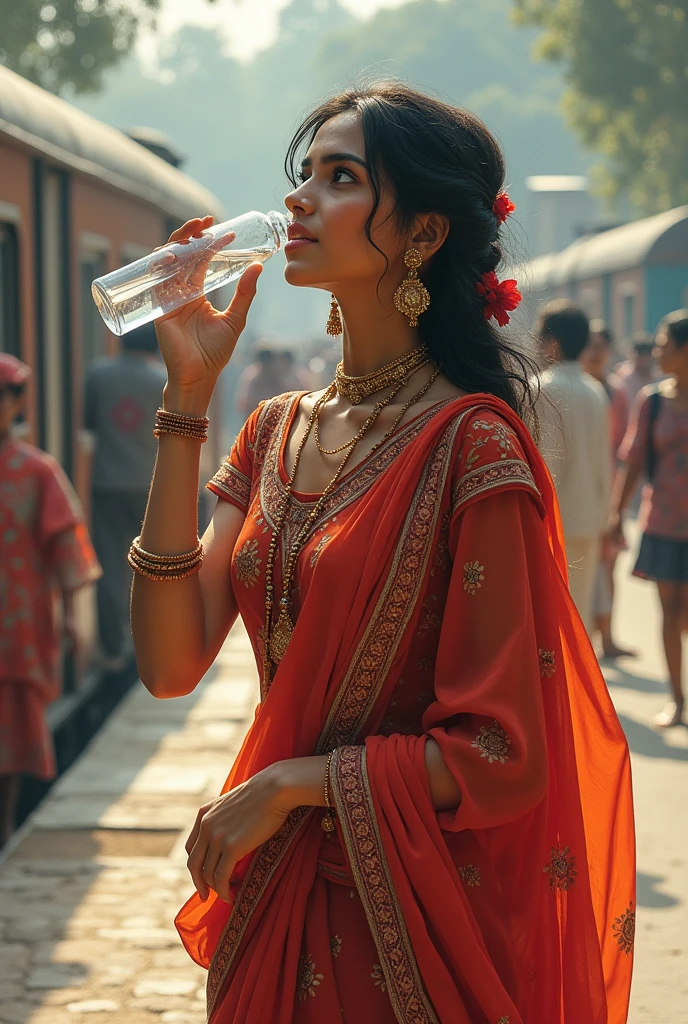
50 126
653 240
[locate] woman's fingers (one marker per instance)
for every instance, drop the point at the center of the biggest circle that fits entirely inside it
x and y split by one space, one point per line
245 293
222 875
196 863
190 228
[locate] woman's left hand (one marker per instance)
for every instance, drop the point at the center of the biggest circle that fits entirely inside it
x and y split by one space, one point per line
232 826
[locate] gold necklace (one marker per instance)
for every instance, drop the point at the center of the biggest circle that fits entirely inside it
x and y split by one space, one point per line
348 444
358 388
276 640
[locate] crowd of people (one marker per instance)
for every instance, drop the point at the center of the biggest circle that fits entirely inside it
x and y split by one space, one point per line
605 429
604 425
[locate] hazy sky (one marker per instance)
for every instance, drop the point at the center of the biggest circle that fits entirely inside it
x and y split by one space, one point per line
247 25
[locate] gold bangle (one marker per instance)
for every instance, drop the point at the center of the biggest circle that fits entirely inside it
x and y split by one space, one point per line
182 425
165 559
164 567
328 823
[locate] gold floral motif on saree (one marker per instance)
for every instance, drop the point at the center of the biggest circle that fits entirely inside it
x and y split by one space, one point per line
503 1020
493 743
247 564
378 977
499 432
623 930
561 868
358 822
335 946
473 577
470 875
306 979
548 664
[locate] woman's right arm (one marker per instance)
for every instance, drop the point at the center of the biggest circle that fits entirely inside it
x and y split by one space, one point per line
179 625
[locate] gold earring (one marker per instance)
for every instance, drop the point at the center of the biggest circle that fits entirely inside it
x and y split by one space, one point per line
412 297
334 321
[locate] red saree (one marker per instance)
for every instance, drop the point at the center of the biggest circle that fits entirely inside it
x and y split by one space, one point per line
431 600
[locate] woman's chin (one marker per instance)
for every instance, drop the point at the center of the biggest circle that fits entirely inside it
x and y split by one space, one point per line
303 277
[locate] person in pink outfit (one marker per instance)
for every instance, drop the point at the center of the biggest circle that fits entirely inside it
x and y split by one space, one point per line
45 557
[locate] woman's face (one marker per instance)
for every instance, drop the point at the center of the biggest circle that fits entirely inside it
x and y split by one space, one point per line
595 356
332 204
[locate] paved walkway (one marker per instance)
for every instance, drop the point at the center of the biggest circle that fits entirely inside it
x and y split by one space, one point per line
88 895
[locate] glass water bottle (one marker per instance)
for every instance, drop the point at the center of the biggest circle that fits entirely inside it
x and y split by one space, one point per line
181 271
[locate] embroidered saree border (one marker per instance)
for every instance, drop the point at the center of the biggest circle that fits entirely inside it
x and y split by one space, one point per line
362 684
358 821
360 689
491 476
260 871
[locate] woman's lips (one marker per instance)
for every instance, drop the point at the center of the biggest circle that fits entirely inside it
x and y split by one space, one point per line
296 243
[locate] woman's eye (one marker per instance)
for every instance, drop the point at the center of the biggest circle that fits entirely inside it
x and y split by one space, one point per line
342 170
301 177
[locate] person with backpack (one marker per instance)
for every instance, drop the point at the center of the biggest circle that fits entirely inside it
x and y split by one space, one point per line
656 446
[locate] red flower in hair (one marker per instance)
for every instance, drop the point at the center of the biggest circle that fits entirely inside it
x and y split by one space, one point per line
499 297
502 207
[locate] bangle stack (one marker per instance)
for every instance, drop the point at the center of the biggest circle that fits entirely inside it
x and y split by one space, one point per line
164 567
182 425
328 822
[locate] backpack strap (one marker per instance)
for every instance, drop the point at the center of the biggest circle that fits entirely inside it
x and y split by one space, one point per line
655 401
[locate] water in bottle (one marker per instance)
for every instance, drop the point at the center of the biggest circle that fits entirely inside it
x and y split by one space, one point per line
178 272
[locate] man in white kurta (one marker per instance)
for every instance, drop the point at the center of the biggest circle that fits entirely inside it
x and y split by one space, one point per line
574 440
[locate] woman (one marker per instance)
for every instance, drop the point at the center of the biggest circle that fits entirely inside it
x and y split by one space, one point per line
418 825
45 557
656 445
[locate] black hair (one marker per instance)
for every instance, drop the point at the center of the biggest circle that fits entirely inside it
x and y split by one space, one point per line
436 158
642 343
676 324
141 339
600 328
567 324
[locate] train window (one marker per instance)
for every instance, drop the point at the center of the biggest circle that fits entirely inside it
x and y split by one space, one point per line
9 290
93 331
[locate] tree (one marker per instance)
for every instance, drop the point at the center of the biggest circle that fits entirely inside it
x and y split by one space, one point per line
60 43
626 64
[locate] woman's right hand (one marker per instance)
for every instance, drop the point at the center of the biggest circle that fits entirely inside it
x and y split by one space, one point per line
197 340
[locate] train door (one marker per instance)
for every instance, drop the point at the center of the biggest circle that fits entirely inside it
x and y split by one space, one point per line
53 320
9 290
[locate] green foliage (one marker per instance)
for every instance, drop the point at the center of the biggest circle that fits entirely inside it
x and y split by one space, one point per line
60 43
627 68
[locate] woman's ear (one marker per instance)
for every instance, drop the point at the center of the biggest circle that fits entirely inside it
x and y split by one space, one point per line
429 233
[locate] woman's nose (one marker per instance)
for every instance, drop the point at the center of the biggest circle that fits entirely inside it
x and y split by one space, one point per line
298 202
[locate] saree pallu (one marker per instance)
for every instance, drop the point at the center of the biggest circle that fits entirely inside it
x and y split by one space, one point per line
518 906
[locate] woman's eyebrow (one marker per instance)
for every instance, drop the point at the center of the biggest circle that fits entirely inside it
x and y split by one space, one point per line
331 158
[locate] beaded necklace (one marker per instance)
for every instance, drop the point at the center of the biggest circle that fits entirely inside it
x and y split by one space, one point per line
276 639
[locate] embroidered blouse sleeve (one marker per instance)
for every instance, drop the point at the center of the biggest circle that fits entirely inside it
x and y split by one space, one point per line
233 479
489 459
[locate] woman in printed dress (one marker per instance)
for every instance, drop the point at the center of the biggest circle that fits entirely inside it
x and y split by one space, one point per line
663 519
45 557
430 819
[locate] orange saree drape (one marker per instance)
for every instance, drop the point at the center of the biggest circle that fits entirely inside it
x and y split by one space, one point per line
517 907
